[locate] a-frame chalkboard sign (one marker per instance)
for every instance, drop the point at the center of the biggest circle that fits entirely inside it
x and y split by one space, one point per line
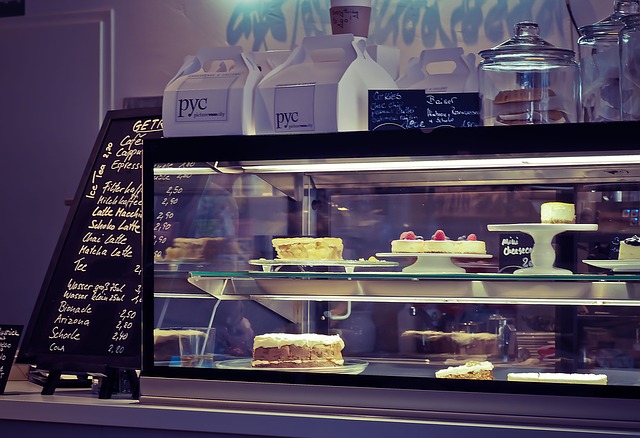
87 316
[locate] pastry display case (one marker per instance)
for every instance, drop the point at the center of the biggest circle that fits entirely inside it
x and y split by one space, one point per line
543 322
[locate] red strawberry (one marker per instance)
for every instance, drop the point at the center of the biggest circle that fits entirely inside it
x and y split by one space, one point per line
408 235
439 235
472 237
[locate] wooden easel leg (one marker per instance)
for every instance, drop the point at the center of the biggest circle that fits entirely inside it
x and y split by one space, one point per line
106 388
51 383
134 382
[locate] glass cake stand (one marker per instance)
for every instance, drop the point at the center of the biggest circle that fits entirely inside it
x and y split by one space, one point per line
543 254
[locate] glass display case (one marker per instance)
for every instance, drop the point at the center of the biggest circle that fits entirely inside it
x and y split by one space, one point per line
550 301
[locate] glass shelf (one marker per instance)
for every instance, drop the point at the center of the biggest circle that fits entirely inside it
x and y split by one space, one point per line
576 289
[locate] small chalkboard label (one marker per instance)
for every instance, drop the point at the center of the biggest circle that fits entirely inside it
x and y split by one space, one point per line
87 316
411 109
515 251
9 339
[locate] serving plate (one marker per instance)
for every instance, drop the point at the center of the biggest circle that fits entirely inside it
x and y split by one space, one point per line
348 265
351 366
630 265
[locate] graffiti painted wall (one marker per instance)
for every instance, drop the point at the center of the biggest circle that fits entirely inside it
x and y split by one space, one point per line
411 25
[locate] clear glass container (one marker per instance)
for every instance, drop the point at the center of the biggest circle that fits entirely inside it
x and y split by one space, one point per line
630 67
599 59
526 81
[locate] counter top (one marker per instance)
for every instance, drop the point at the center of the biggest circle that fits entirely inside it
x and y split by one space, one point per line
24 409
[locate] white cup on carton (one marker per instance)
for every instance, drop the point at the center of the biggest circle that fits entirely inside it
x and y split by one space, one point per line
350 16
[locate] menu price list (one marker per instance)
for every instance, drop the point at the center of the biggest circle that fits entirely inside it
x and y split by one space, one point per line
173 194
421 109
91 304
9 339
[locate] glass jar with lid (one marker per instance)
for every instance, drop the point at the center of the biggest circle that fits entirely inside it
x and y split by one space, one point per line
599 60
630 67
527 80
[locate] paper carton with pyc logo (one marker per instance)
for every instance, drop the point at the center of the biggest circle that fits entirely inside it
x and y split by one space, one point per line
321 87
212 94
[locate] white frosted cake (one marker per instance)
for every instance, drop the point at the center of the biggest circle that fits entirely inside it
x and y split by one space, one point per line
629 248
306 350
593 379
557 213
308 248
186 248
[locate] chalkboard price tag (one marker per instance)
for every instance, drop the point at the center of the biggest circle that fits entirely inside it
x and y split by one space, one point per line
515 251
411 109
9 339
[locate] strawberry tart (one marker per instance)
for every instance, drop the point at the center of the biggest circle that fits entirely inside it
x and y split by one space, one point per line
409 242
470 245
439 243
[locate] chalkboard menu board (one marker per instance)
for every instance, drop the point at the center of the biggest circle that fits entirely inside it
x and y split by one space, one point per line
419 109
88 314
9 338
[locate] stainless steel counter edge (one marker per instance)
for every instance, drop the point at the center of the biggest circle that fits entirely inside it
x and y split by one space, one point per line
22 402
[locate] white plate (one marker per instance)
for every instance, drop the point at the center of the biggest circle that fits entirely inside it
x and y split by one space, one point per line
558 228
433 263
348 265
631 265
351 366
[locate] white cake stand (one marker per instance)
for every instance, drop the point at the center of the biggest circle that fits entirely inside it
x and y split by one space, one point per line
433 263
543 255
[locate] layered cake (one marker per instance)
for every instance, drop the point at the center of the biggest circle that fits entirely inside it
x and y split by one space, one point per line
408 242
557 213
431 341
593 379
481 343
308 248
437 342
472 370
629 248
166 342
194 249
306 350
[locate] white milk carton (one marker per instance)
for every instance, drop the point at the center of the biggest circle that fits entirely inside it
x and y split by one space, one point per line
268 60
212 94
387 56
441 71
322 87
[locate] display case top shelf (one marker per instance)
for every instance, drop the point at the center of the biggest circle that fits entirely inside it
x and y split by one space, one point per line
581 289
